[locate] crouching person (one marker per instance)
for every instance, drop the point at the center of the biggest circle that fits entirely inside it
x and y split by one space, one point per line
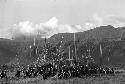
3 74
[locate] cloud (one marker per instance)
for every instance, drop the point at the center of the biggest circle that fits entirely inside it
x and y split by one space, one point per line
23 28
27 28
53 22
45 29
98 20
116 21
88 26
95 21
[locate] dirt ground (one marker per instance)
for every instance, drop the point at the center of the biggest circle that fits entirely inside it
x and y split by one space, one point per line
116 79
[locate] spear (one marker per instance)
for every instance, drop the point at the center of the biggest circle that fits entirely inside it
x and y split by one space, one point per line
100 50
70 59
75 45
34 41
100 54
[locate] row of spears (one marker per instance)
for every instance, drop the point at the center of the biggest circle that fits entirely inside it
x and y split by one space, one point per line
60 72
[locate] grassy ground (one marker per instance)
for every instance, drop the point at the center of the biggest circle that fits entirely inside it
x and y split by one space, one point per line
117 79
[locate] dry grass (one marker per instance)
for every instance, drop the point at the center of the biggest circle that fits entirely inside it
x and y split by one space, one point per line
117 79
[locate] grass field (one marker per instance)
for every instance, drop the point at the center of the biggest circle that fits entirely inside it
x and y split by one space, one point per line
116 79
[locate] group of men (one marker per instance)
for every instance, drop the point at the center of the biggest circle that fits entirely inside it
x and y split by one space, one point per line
60 72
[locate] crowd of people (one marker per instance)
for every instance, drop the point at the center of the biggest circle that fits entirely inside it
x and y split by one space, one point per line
60 72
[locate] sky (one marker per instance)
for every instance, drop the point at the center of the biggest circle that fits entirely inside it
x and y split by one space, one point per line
29 16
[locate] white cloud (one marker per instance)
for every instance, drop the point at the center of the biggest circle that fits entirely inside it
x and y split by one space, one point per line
47 29
88 26
53 22
98 20
116 21
23 28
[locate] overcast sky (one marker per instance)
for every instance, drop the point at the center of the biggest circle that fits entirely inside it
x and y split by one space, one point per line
66 11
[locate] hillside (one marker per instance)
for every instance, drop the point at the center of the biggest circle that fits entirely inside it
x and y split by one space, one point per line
111 39
7 51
